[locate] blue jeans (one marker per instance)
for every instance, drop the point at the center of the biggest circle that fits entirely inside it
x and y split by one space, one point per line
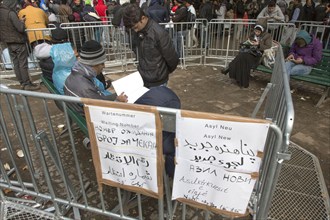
178 41
297 69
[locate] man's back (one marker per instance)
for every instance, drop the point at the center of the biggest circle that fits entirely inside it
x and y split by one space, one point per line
158 12
35 19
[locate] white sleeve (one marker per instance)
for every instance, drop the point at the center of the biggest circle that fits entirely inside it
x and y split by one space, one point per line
42 51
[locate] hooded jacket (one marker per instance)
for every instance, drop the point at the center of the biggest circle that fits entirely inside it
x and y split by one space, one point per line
12 30
311 53
82 82
276 14
157 12
156 54
101 10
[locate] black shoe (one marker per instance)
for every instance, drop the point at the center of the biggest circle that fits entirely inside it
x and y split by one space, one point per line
225 71
31 87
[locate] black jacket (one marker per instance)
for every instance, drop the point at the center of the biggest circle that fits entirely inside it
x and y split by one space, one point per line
156 54
158 12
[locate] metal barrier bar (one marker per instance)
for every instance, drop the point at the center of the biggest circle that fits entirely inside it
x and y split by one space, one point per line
279 109
322 32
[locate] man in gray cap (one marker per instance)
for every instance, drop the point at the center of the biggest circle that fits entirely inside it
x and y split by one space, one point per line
84 80
12 32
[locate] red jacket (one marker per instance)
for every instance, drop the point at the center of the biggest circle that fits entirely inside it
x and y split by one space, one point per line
101 10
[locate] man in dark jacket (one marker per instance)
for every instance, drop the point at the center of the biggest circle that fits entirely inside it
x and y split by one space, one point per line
83 81
155 51
158 12
12 32
206 12
163 97
180 30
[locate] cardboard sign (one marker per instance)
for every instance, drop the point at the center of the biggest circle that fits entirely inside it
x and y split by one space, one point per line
126 147
218 159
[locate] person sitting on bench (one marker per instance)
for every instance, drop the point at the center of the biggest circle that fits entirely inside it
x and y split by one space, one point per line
305 52
83 82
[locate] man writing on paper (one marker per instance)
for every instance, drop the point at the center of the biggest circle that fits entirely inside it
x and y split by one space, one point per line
164 97
155 50
84 81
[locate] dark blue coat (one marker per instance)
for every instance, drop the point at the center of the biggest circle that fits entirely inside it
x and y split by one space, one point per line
163 97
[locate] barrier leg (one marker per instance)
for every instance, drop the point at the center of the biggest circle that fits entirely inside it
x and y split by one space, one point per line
325 95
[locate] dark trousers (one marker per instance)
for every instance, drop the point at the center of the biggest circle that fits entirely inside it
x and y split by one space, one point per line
19 56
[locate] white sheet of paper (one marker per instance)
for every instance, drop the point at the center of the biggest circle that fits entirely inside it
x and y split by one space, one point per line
131 85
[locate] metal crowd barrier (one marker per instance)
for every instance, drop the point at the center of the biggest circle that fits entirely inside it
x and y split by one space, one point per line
224 38
212 43
59 174
322 32
117 42
279 109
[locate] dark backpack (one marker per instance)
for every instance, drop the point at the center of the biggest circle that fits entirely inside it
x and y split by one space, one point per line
190 18
90 17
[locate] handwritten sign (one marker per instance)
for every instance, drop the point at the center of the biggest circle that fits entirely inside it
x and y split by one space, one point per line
127 149
212 186
217 159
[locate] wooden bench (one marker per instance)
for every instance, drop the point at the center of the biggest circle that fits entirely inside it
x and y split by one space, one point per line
74 116
320 75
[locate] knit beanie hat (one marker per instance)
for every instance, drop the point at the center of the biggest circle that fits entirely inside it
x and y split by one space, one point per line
304 35
92 53
59 35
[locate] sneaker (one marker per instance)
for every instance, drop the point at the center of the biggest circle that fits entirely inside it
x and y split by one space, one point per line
31 87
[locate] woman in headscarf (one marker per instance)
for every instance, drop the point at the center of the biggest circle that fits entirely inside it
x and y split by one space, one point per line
249 57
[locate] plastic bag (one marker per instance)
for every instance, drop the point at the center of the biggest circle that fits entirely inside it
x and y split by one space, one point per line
63 58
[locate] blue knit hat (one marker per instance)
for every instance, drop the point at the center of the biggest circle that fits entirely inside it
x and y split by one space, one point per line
304 35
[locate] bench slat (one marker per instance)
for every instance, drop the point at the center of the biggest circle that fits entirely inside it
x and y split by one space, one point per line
75 116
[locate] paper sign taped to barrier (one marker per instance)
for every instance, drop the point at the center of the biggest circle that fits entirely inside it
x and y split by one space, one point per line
212 186
127 148
217 160
231 145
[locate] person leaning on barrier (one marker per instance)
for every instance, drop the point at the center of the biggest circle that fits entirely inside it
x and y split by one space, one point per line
83 81
305 52
272 13
249 55
12 32
163 97
155 51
